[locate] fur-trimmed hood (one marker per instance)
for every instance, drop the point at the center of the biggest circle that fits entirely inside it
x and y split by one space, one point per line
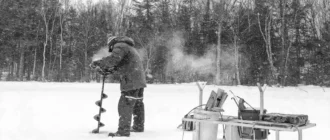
120 39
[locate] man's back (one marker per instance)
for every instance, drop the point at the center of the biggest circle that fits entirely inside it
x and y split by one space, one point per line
130 68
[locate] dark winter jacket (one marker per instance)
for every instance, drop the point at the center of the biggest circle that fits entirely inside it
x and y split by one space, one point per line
128 64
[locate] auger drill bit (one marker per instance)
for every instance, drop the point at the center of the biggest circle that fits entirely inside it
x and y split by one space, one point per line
97 117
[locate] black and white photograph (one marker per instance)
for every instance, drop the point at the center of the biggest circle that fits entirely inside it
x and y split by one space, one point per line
164 69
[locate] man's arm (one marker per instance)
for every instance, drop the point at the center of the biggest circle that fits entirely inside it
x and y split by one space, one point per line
111 61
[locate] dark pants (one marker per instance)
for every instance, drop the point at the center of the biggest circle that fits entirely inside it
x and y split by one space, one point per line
131 103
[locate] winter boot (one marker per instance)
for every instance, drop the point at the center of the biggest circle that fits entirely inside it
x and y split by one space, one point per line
117 135
136 130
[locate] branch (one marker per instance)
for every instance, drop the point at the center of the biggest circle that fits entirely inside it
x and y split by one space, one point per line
263 35
232 6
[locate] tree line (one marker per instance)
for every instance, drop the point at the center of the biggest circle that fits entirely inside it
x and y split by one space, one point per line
231 42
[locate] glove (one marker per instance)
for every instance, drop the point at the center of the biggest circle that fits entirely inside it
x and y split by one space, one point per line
105 71
99 70
108 71
95 64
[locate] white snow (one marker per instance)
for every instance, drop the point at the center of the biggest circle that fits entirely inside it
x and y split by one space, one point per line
64 111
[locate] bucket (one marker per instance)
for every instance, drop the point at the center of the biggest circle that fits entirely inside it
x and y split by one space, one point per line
205 130
231 132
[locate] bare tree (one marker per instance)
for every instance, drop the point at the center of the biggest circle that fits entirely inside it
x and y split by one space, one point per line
266 35
122 11
235 36
50 67
21 45
62 18
225 7
235 30
46 19
218 56
297 38
284 40
35 53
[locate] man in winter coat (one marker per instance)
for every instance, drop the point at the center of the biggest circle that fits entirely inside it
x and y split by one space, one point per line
126 62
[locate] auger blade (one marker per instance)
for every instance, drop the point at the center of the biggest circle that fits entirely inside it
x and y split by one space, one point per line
103 110
98 103
101 124
104 96
97 117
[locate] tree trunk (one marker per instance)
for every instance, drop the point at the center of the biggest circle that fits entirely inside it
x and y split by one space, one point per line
218 61
54 62
44 58
206 27
46 41
28 76
286 63
86 68
236 34
50 68
270 53
21 62
17 62
236 61
62 18
50 55
284 43
149 57
34 64
9 70
297 24
11 75
49 73
61 46
35 54
85 71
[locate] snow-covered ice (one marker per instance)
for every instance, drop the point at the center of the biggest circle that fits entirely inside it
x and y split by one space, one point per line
64 111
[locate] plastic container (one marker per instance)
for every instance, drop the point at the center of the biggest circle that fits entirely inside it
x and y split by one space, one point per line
246 132
205 130
250 114
260 134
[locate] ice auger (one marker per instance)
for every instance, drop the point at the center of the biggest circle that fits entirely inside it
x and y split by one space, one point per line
97 117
